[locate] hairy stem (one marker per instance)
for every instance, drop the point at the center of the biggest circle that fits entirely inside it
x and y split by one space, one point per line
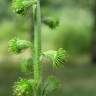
37 50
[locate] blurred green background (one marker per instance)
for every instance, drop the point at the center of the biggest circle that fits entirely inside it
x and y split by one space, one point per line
74 33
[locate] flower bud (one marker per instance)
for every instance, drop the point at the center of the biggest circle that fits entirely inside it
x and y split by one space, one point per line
51 22
16 45
23 87
58 57
22 6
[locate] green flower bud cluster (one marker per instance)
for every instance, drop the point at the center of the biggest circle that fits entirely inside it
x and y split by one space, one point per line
51 22
23 87
22 6
16 45
58 57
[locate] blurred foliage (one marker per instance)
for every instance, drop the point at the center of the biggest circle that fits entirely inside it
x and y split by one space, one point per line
76 81
62 3
5 12
74 34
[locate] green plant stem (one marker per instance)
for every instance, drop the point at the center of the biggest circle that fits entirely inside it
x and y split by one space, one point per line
37 50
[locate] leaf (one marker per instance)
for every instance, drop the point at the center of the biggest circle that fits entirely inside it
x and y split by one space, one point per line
50 85
27 65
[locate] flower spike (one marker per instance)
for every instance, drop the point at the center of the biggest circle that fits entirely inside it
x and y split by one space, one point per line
16 45
58 57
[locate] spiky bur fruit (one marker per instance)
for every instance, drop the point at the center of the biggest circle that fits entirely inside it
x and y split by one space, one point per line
16 45
58 57
50 85
27 65
51 22
23 87
22 6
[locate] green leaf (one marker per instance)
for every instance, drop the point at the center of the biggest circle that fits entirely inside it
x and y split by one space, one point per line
16 45
27 65
51 22
58 57
50 85
23 87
